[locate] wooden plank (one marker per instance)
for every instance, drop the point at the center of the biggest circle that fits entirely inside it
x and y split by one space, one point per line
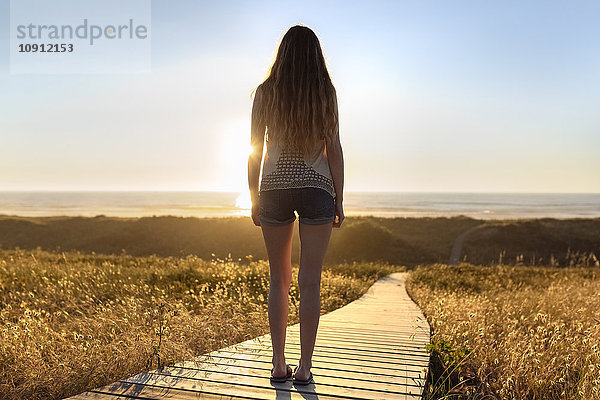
401 323
392 334
259 385
368 379
345 340
342 354
373 348
382 369
355 350
399 365
360 322
129 390
417 340
357 331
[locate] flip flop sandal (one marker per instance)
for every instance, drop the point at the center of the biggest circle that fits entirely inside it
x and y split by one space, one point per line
302 381
282 378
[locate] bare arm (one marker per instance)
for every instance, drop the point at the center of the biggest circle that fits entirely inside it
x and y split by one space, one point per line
335 157
257 135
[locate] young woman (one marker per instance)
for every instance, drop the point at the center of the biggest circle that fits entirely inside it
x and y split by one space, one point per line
303 171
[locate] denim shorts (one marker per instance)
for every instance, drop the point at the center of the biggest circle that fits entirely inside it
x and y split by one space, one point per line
315 206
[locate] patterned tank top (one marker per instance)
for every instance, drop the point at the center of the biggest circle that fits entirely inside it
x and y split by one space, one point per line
285 168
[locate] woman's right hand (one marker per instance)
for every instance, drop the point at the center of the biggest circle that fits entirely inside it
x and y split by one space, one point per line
339 213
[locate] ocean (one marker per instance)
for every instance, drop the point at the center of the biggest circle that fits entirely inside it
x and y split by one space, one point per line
223 204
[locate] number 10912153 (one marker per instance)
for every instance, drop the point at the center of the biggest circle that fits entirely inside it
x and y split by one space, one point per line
46 48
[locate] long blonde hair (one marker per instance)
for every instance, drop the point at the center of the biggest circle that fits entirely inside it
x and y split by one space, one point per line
298 100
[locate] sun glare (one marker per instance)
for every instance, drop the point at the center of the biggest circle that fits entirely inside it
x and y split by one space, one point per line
243 201
237 140
235 152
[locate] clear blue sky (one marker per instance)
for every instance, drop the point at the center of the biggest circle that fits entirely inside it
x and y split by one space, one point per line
433 95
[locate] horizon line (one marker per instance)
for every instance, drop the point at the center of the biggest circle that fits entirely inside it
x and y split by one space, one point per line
230 191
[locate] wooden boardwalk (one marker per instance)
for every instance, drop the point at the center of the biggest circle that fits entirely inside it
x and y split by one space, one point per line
373 348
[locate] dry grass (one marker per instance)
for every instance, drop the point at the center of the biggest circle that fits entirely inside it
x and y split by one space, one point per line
71 322
511 332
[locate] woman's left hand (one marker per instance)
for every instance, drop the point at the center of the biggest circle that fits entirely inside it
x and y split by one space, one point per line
255 215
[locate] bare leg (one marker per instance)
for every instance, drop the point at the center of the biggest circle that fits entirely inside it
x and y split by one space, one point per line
314 240
278 241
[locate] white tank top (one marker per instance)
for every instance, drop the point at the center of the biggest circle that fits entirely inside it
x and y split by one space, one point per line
285 169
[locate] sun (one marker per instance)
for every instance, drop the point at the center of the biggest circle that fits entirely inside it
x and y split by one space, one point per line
235 151
237 140
244 201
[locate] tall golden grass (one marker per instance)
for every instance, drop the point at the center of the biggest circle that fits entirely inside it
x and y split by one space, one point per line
70 322
146 292
511 332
